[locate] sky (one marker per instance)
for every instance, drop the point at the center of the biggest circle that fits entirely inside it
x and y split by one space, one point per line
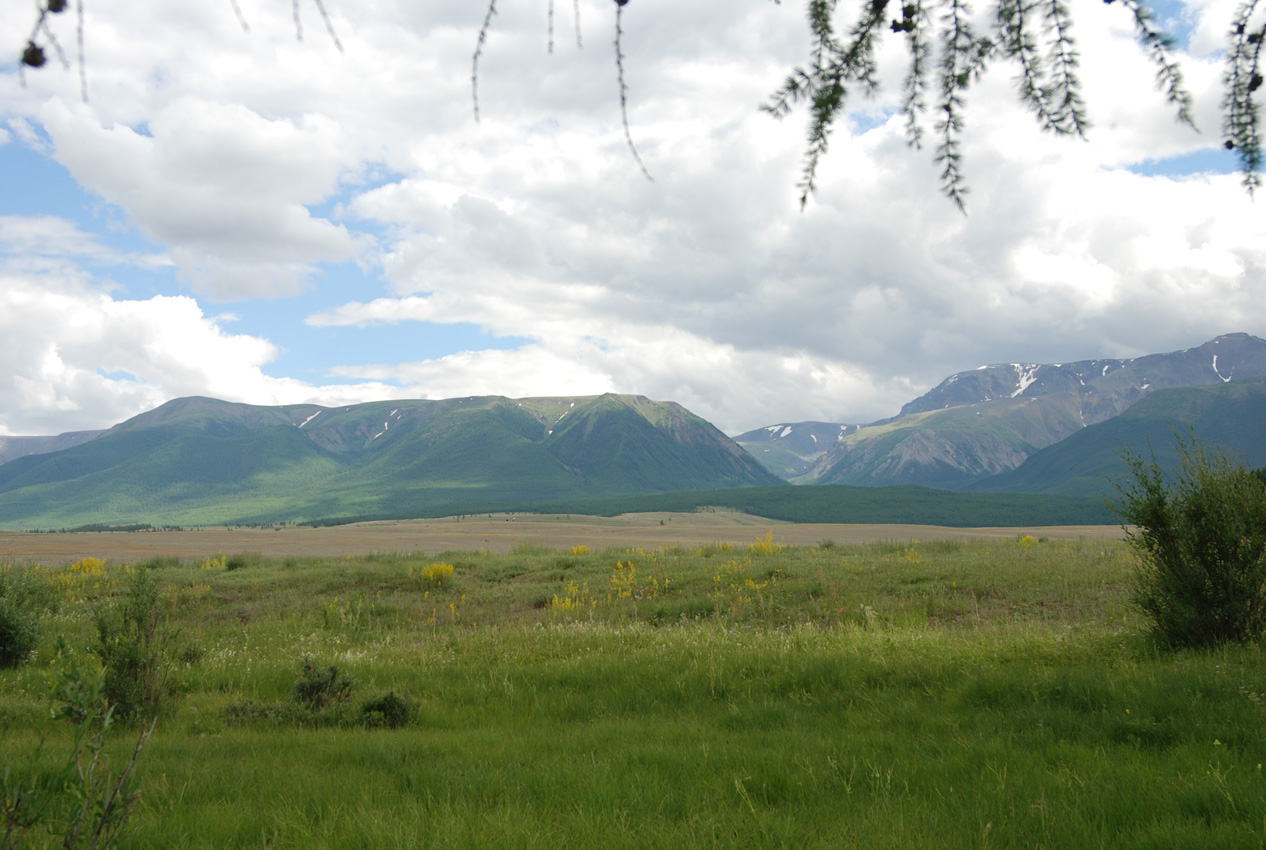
254 214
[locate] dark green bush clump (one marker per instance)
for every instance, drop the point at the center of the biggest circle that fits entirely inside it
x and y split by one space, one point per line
388 711
319 687
1201 538
242 560
19 633
320 697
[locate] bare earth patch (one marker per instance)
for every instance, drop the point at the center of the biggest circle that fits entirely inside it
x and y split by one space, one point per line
495 533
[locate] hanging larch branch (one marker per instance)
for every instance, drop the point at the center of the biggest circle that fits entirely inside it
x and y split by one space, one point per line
1036 34
1243 78
624 89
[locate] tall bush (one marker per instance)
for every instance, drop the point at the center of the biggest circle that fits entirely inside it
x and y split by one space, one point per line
133 648
1200 534
19 616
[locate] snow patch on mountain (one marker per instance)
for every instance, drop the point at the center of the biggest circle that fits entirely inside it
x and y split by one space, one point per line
1224 378
1026 375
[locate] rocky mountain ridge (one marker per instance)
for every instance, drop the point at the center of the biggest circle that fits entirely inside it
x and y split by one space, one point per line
989 420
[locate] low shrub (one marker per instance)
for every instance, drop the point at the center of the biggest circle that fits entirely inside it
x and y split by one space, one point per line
242 560
320 687
389 711
319 698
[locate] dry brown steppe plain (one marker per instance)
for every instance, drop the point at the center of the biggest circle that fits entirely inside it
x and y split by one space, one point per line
494 533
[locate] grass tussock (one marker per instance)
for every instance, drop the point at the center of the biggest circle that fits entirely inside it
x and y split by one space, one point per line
972 694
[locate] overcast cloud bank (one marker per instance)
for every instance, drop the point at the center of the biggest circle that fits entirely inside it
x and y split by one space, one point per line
247 194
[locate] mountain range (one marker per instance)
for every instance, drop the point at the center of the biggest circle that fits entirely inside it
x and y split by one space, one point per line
204 461
988 423
1052 429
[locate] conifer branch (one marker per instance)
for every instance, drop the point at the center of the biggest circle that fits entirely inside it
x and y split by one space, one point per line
824 83
1063 93
1160 47
956 73
1017 41
914 98
1243 77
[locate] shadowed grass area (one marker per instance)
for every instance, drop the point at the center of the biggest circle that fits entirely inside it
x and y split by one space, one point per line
894 695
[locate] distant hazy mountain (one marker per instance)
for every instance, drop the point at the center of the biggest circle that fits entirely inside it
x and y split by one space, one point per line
988 421
199 460
791 450
15 447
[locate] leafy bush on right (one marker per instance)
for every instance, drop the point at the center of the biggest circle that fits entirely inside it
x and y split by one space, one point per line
1201 539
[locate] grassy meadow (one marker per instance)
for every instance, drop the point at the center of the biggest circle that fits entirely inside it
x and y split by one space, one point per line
939 694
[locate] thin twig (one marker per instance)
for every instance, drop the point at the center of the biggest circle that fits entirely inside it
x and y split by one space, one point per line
241 19
52 40
83 65
101 831
479 48
551 26
576 17
624 102
294 7
329 26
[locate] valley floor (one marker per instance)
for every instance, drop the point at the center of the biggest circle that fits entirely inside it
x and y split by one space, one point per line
993 692
495 533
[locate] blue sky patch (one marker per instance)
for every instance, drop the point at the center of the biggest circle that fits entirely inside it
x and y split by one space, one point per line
1203 161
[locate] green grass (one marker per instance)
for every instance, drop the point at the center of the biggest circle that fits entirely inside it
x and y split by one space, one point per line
937 695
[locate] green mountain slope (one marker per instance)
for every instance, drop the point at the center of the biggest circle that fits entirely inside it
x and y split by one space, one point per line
950 448
192 475
1231 416
199 461
607 442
